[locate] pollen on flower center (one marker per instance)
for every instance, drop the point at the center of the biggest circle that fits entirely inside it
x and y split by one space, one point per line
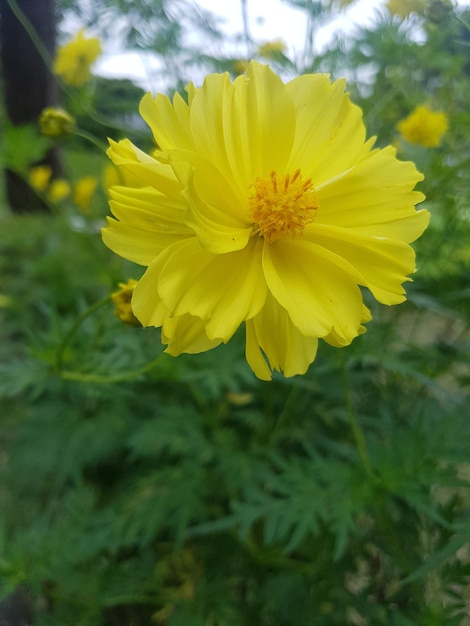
281 205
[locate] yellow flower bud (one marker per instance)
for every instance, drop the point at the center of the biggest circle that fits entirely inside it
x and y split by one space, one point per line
122 302
55 122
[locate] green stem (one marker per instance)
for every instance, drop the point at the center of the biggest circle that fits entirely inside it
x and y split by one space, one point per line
354 424
92 139
21 17
77 323
284 414
463 22
96 378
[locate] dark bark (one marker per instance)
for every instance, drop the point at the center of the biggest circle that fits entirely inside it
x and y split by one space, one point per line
28 83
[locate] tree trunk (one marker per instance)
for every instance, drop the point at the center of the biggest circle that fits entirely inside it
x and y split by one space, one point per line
28 83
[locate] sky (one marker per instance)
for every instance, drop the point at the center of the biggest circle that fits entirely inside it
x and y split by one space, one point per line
268 20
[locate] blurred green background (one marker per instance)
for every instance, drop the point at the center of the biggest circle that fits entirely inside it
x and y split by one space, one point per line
139 489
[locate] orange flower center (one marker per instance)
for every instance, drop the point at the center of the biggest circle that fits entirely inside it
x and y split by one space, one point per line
282 204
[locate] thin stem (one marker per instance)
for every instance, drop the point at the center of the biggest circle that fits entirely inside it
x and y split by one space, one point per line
462 21
96 378
246 29
284 414
21 17
354 424
92 139
77 323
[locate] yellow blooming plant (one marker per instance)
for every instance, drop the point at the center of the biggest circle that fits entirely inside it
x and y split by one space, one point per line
74 59
84 191
403 8
59 189
39 177
424 127
272 49
263 205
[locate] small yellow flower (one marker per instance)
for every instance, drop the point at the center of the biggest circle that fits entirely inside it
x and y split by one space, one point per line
424 127
122 302
74 59
58 190
83 192
55 122
272 49
264 206
39 177
239 66
5 301
402 8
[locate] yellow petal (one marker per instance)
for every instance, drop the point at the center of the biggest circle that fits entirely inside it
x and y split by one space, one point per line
148 223
148 209
335 340
168 121
329 134
207 121
186 334
274 343
144 168
259 125
214 214
224 290
376 198
318 289
383 263
133 243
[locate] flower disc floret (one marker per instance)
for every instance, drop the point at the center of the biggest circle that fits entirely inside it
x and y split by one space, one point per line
264 206
282 205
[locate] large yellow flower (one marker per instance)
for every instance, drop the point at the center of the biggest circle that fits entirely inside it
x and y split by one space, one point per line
74 59
264 205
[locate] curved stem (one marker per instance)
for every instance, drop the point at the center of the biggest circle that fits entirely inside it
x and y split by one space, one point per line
96 378
21 17
462 21
92 139
77 323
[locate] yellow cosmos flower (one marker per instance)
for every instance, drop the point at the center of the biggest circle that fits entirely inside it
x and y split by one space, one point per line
272 49
83 192
122 302
58 190
39 177
264 205
402 8
424 127
74 59
240 66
